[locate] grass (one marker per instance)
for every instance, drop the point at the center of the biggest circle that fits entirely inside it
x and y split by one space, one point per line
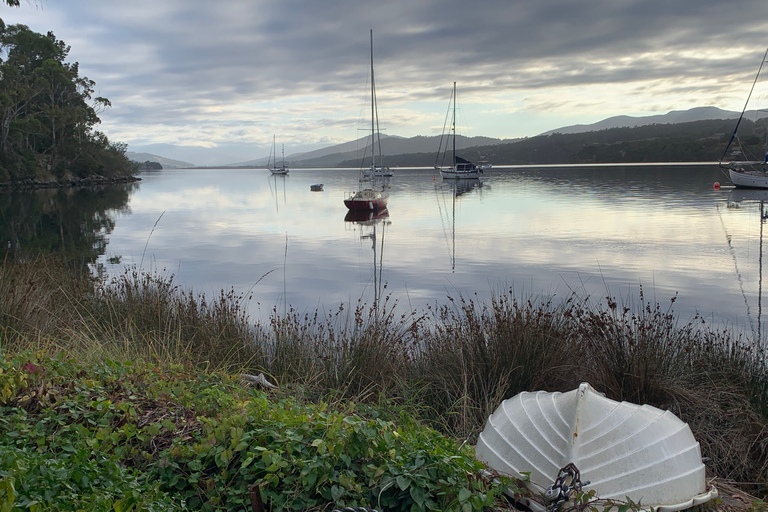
446 368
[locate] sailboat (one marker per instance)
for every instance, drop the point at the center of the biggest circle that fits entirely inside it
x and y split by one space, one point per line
749 173
371 192
272 163
459 167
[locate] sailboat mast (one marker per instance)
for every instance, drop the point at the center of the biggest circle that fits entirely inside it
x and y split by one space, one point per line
746 104
454 125
373 115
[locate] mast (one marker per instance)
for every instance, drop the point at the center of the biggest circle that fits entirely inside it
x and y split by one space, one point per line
751 90
454 126
373 116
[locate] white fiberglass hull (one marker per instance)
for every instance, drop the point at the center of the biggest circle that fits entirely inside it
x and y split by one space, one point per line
748 178
451 174
622 449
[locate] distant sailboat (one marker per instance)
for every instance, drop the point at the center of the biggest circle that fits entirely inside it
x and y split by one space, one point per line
272 164
371 193
459 167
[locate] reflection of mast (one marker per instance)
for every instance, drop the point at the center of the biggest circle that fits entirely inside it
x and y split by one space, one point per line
763 217
458 187
734 199
453 229
372 219
274 192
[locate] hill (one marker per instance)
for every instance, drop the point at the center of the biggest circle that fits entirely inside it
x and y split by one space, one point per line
167 163
696 141
420 150
673 117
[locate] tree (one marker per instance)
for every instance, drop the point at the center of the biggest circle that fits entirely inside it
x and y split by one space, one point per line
48 114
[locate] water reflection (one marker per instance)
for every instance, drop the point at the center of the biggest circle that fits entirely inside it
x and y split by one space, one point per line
368 222
71 222
757 203
447 208
543 232
278 190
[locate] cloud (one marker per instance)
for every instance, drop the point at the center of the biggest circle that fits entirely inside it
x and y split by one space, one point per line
207 72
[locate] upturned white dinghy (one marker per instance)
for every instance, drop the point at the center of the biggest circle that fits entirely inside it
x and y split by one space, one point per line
622 449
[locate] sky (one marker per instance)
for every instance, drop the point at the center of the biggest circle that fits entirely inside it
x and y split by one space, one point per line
230 75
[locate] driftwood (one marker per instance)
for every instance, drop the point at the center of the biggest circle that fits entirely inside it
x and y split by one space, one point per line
259 379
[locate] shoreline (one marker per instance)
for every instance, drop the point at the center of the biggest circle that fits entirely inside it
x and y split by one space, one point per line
89 181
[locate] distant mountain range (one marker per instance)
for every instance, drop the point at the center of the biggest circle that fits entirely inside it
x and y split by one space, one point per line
331 156
673 117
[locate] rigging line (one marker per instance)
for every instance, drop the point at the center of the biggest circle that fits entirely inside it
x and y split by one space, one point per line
745 105
736 266
440 150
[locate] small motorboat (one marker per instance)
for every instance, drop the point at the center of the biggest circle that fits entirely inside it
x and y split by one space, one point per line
317 187
618 449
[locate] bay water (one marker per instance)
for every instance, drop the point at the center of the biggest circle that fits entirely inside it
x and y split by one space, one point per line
662 232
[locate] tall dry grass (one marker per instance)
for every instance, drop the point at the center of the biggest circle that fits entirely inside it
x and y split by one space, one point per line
453 364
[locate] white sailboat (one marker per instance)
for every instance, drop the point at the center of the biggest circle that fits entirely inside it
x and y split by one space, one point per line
371 193
272 163
459 167
746 172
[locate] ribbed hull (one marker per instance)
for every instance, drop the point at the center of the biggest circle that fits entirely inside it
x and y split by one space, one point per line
622 449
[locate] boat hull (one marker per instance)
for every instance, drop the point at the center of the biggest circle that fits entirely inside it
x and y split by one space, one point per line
380 172
367 200
452 175
622 449
747 178
365 205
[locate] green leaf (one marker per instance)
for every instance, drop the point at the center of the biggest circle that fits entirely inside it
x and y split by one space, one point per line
403 482
418 495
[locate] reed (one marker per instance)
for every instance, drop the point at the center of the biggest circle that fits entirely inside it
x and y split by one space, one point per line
452 364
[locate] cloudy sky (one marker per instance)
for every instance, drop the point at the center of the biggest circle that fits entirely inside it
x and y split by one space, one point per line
226 73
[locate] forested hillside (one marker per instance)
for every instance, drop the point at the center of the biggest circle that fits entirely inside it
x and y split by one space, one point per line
697 141
48 114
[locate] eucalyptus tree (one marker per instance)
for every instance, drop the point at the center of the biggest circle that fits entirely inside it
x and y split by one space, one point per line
48 113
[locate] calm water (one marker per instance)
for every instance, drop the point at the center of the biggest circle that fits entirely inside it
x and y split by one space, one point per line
545 232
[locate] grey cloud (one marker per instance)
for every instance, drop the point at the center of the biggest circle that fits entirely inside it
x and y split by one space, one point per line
168 61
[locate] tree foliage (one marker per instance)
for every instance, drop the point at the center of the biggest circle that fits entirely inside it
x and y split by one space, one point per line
48 113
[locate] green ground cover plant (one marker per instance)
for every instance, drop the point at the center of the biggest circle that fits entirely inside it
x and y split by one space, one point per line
113 436
145 374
